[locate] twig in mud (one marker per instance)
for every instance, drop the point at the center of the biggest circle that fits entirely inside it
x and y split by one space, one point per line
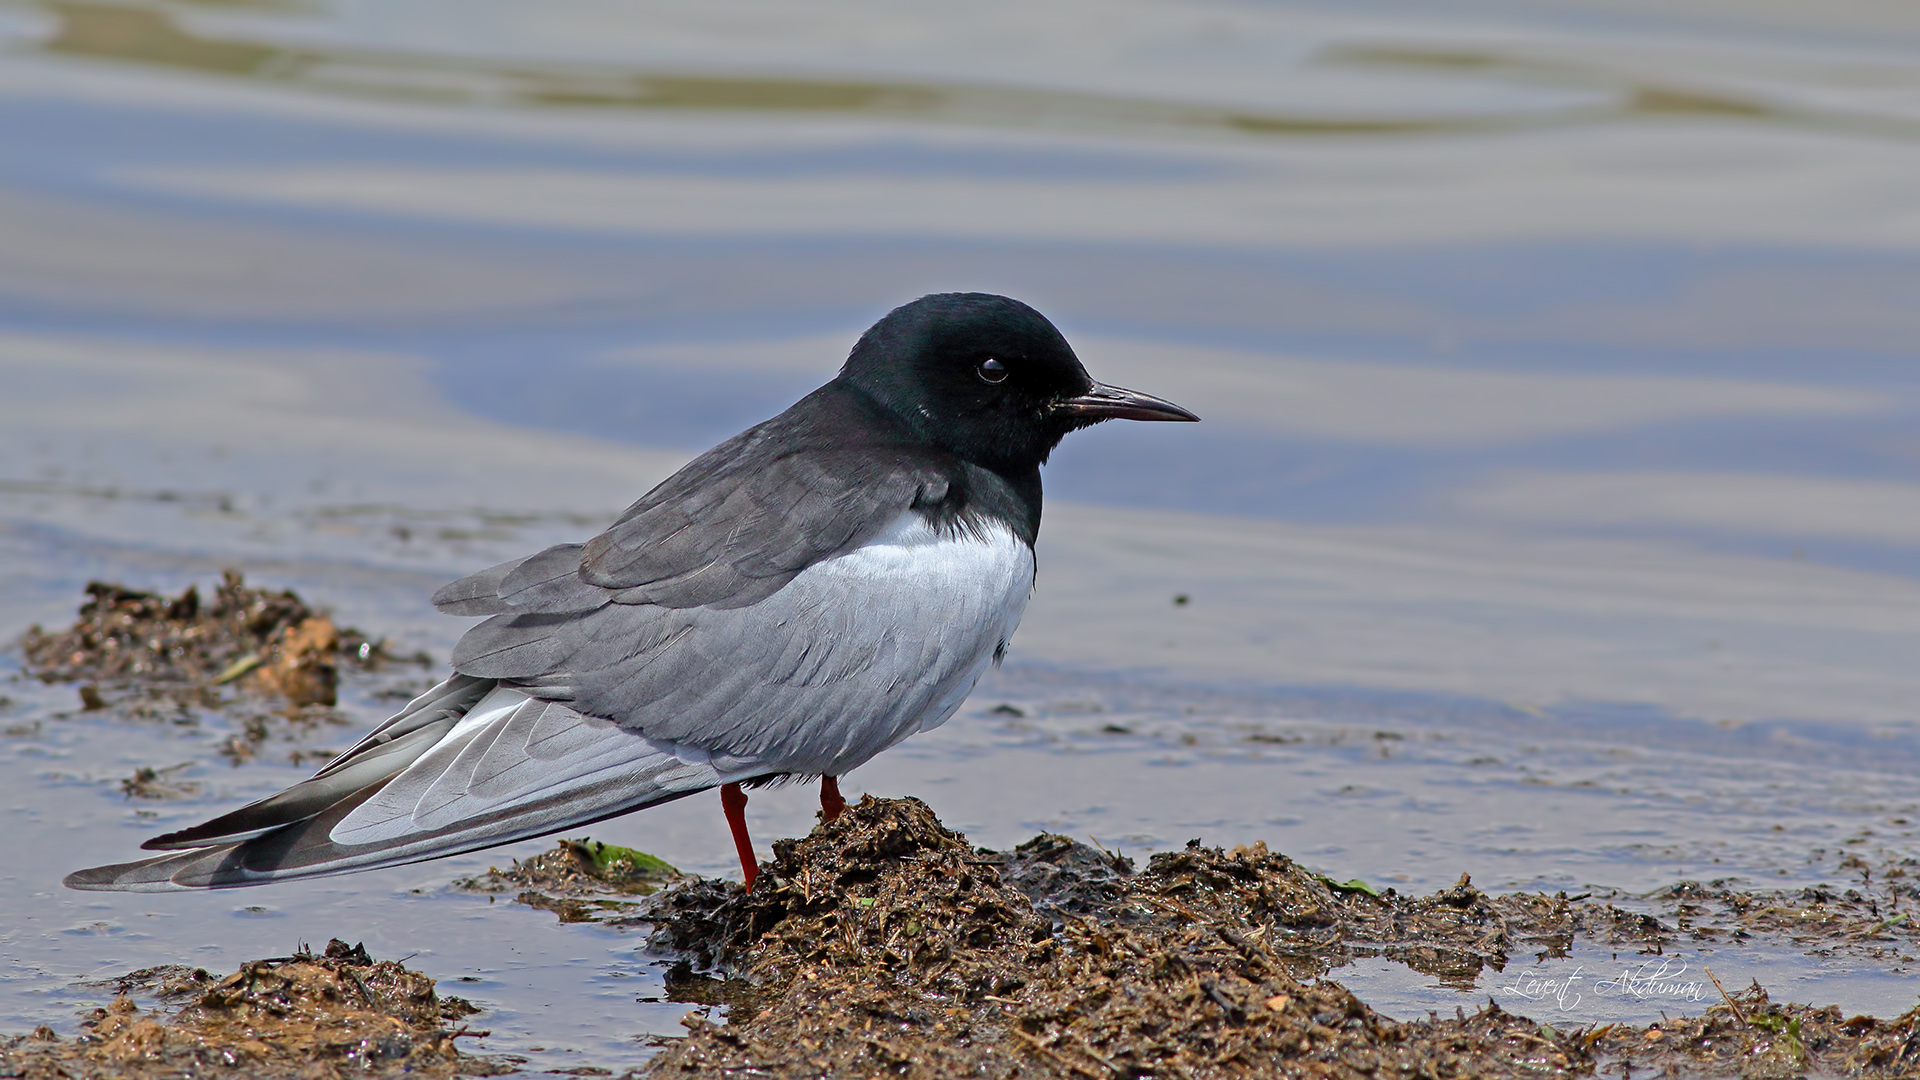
1534 1036
1885 924
1728 998
366 996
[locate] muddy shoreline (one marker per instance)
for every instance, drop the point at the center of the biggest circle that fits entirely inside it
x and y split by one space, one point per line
885 942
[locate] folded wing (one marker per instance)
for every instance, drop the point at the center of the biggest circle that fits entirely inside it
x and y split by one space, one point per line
509 768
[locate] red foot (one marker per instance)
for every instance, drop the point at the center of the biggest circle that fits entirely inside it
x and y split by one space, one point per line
831 804
734 802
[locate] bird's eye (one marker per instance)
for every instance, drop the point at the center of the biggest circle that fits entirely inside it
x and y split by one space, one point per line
993 370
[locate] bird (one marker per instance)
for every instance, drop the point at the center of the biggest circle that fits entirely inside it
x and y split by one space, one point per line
786 606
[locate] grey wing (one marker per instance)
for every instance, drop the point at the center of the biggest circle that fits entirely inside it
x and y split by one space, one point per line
735 524
739 537
727 531
476 594
385 751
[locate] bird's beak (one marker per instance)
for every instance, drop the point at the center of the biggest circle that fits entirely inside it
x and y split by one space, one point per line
1104 402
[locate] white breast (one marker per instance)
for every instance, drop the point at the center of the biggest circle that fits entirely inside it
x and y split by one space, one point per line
953 597
984 572
859 651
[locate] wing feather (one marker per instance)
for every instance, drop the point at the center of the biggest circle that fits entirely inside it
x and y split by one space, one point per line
475 594
547 581
740 521
308 848
381 754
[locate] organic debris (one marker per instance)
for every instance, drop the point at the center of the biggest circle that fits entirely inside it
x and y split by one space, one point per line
1876 924
578 880
338 1014
263 641
1317 921
264 658
159 784
1747 1035
885 943
171 983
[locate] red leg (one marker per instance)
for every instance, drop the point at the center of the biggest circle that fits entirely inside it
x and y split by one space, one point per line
734 802
831 804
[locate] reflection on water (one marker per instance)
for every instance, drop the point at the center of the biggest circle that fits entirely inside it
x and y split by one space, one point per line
153 36
1557 367
150 35
1647 97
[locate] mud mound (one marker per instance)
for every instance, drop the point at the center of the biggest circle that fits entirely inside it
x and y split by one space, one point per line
888 882
270 643
883 942
1311 918
338 1014
269 664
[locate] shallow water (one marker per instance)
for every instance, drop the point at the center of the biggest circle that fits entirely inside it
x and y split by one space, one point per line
1554 517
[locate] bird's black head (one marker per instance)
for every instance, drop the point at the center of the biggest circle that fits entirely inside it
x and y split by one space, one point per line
988 378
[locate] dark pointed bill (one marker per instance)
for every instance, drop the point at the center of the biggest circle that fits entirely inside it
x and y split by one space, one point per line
1104 402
